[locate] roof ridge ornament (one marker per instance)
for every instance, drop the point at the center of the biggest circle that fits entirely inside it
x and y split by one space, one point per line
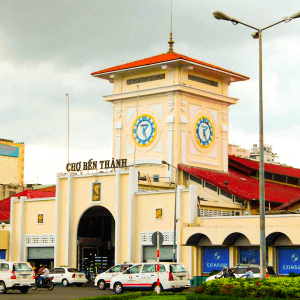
171 42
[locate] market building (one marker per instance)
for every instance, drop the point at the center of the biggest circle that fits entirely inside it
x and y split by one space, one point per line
167 109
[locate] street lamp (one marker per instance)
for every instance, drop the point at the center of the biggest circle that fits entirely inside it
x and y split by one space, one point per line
258 35
175 220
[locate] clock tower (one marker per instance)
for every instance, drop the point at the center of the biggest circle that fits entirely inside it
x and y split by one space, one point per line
171 108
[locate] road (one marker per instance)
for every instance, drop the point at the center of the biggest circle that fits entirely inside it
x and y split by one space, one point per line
58 293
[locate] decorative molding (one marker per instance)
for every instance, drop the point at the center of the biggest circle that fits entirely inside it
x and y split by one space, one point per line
203 80
183 120
183 103
146 79
146 238
171 102
40 240
119 110
224 113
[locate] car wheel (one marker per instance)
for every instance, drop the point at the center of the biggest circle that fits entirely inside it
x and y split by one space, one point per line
101 285
118 288
24 289
156 288
2 287
65 282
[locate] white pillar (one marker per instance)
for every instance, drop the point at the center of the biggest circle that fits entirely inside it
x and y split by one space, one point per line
117 219
68 217
170 122
118 128
225 148
21 229
193 196
133 187
12 228
56 217
179 223
183 122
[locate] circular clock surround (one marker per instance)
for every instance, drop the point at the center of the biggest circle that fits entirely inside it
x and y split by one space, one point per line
144 130
205 132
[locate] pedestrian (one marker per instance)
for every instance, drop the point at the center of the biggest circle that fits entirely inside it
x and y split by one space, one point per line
248 274
225 273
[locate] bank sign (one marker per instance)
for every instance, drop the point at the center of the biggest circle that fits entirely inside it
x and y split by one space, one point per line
215 259
288 260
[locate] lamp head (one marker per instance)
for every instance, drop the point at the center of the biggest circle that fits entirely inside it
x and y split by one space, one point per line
255 34
221 16
164 162
296 15
2 225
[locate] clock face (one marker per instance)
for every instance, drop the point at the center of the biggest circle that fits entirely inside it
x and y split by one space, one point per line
204 132
144 130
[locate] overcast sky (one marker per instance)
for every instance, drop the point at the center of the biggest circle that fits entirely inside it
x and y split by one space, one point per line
49 48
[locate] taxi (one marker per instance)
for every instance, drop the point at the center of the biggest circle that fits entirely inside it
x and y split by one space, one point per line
144 277
102 281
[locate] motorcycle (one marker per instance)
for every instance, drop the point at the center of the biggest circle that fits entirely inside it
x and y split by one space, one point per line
46 283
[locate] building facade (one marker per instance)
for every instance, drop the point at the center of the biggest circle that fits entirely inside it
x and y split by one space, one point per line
170 133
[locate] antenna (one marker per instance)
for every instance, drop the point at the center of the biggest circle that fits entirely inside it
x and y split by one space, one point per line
171 42
68 127
137 108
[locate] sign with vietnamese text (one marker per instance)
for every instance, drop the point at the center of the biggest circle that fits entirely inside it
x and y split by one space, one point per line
11 151
96 165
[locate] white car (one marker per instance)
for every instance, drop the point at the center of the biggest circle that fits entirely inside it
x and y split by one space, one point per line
16 276
144 277
67 276
103 280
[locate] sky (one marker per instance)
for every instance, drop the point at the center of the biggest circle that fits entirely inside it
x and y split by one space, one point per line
49 48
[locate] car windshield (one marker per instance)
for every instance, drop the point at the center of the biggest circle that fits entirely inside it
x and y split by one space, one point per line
19 267
177 268
73 270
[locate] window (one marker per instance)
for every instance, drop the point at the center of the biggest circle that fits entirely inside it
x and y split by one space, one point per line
22 267
293 180
177 268
134 270
162 268
60 271
116 269
226 194
148 269
53 271
4 267
196 179
211 186
280 178
268 176
73 270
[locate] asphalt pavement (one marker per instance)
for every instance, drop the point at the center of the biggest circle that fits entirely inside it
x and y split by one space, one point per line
58 293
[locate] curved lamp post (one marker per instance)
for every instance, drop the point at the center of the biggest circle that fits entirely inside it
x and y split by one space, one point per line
258 35
175 220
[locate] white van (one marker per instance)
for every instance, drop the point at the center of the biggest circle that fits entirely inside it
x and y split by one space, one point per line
144 277
16 276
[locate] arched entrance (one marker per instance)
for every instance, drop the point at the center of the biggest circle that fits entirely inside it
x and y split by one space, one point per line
96 239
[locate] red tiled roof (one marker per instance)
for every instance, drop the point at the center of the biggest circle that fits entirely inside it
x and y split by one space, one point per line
30 194
244 186
276 169
165 57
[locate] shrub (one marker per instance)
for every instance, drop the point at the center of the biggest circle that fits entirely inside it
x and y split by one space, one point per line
115 297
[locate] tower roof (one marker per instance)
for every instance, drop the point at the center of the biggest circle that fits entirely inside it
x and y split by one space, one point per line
166 58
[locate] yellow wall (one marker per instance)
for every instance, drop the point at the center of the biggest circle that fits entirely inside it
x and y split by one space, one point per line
12 168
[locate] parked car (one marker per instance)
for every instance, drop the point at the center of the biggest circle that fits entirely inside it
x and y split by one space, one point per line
144 277
67 276
103 280
240 270
16 276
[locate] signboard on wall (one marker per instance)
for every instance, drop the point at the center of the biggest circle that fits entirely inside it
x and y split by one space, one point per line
215 259
40 252
11 151
288 260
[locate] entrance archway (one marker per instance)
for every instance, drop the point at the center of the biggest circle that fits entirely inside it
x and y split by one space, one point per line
96 240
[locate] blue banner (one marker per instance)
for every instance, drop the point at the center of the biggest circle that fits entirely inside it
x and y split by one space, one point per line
215 259
9 150
249 256
2 254
288 260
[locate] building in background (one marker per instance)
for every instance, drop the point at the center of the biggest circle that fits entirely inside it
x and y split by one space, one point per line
11 167
237 150
269 155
